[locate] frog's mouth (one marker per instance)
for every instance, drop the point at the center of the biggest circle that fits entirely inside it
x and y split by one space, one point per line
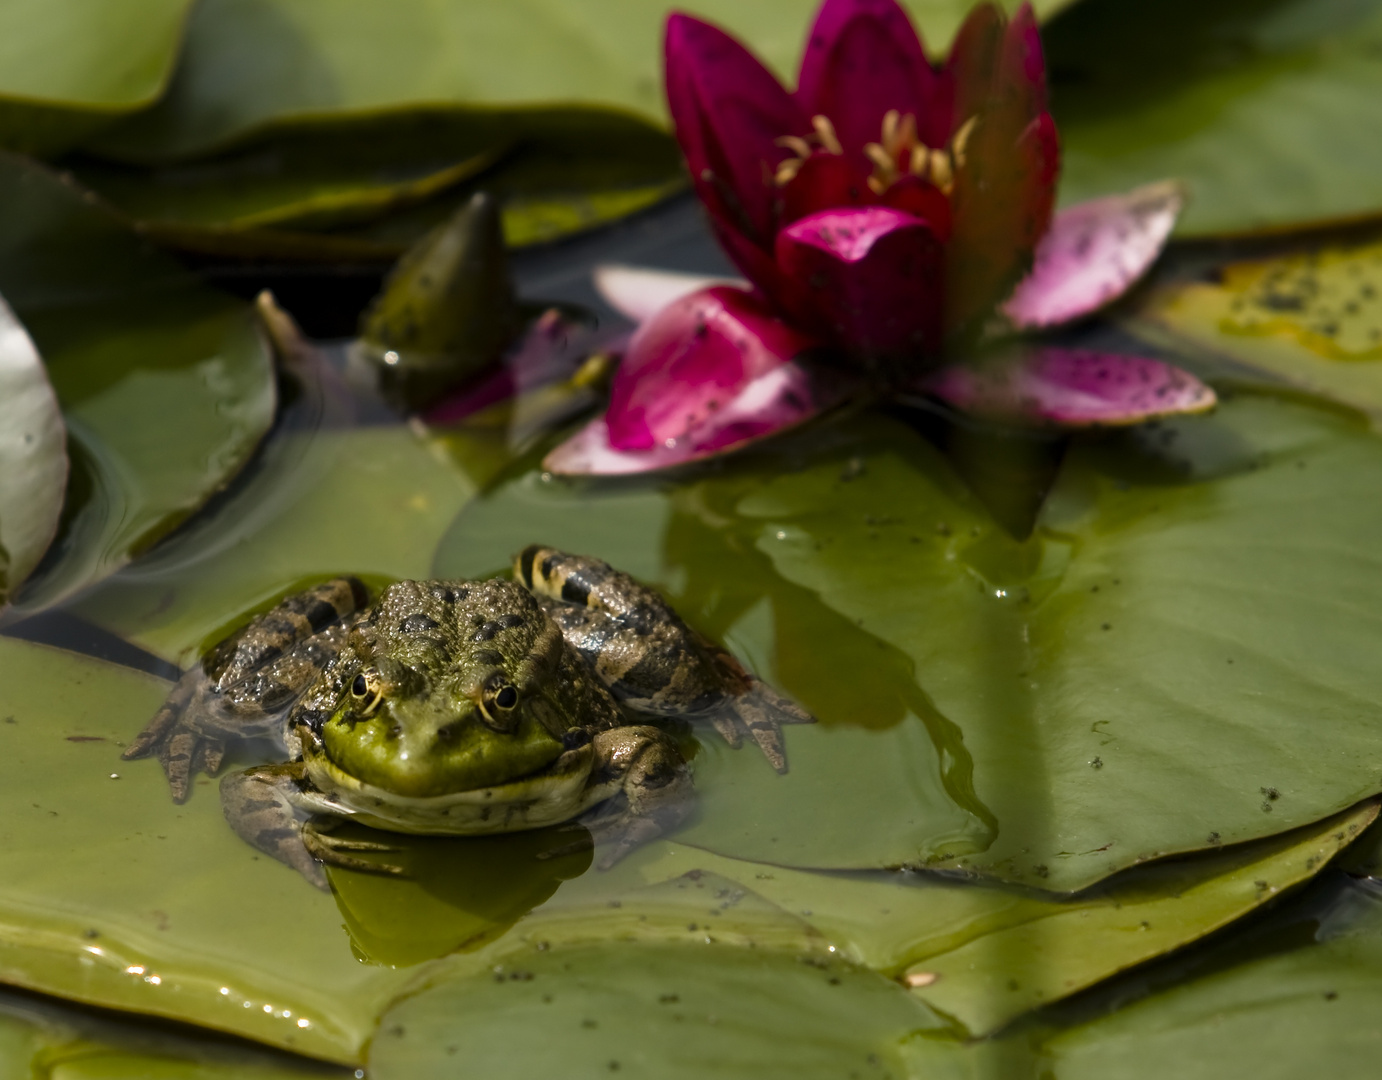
416 755
555 794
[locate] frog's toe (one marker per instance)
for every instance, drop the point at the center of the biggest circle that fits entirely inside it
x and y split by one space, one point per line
175 755
761 711
337 851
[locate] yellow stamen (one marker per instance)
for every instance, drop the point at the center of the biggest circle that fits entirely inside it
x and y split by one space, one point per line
961 138
876 185
825 131
885 168
787 171
890 121
942 175
917 166
799 146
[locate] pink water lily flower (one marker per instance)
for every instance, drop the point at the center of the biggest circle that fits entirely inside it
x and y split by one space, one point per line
888 216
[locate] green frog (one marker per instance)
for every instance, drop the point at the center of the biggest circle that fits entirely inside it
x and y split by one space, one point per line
460 708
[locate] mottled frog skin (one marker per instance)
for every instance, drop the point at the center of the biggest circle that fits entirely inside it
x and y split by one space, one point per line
460 708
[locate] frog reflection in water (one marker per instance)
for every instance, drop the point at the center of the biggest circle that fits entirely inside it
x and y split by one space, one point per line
460 708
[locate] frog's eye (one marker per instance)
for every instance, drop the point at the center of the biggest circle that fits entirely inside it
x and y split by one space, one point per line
498 704
368 688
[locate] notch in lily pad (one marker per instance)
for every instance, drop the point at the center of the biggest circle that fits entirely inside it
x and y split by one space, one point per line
447 311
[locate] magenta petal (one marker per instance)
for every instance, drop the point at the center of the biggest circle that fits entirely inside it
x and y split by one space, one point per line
784 397
688 362
728 111
871 276
638 293
1068 388
862 58
1094 253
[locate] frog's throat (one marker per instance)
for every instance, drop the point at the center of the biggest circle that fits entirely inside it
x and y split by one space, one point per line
556 794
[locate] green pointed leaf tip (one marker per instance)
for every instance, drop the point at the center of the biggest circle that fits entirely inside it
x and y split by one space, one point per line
166 385
69 68
33 456
1265 142
447 310
1198 585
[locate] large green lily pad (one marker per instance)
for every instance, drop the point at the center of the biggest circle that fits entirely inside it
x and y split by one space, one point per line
1256 107
1311 321
249 65
70 67
33 456
166 386
1126 684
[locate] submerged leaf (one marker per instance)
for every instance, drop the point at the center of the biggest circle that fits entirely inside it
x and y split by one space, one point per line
33 456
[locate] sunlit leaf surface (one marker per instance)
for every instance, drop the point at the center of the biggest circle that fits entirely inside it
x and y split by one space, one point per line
33 456
1196 586
70 67
166 385
1311 321
1256 107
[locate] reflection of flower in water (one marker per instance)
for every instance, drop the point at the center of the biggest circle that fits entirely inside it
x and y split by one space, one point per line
888 215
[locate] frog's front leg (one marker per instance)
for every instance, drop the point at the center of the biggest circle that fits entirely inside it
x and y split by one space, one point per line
272 808
653 793
247 683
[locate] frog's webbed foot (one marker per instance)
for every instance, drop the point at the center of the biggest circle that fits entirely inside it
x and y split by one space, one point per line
654 796
337 851
758 713
181 749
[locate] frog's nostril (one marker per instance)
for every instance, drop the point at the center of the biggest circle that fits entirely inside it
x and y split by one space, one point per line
395 729
446 732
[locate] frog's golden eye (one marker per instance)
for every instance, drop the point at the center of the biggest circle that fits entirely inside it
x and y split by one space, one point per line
368 688
497 706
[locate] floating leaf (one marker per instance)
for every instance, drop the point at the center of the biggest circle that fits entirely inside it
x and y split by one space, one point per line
1312 321
166 386
71 67
1200 584
33 456
171 914
983 955
1256 109
657 1010
245 66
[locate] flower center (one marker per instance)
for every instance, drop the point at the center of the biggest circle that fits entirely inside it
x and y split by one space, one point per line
900 153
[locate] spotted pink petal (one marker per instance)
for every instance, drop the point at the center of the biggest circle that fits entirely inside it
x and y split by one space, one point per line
638 293
788 395
691 360
872 277
728 111
1068 388
863 57
1093 254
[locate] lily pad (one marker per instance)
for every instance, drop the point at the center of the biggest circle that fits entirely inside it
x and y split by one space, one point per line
1311 321
249 66
1257 109
1029 688
1284 1013
654 1010
983 955
170 915
33 456
166 386
71 67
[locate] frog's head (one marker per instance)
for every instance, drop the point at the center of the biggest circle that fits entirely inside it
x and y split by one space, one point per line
450 686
